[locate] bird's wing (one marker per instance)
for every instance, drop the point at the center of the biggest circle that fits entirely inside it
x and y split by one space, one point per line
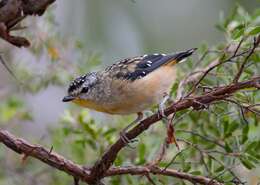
138 67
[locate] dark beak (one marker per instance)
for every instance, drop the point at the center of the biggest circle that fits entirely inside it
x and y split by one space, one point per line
68 98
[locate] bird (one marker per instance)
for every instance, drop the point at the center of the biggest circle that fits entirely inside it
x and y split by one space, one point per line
129 86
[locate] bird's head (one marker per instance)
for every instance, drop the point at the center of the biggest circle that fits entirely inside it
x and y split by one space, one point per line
80 88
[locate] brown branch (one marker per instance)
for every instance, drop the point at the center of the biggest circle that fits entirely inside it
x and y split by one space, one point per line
160 171
13 12
196 103
79 172
52 159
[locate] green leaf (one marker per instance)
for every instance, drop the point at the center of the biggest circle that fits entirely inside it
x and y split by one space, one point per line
89 130
254 31
225 125
81 142
228 148
109 132
141 152
187 167
92 143
195 173
230 128
174 89
233 126
118 161
246 163
219 169
255 154
245 133
66 131
253 159
255 57
237 33
251 146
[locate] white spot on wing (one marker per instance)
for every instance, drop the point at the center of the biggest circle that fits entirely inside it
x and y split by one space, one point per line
183 60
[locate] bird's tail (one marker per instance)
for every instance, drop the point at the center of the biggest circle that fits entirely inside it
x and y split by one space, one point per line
181 56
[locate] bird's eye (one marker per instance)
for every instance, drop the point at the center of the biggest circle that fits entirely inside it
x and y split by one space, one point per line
84 90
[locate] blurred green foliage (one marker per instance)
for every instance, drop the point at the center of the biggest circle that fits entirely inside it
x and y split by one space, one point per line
217 142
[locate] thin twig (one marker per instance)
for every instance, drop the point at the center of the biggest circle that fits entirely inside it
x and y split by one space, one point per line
203 137
8 69
174 158
255 45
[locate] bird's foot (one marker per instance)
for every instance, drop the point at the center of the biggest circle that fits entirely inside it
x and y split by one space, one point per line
123 136
161 112
126 140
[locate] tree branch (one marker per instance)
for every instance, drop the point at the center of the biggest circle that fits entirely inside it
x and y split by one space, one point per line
160 171
47 156
14 11
79 172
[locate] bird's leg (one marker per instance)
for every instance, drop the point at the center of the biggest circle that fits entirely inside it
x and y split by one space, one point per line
123 132
162 106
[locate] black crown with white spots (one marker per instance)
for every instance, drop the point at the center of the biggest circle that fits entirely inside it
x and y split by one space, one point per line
77 83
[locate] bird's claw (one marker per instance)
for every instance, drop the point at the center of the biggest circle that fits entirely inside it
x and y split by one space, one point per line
127 141
161 112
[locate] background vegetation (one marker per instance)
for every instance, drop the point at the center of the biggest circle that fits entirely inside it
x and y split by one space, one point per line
221 142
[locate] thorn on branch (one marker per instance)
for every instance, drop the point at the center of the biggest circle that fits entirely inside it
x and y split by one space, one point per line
150 179
26 154
24 157
51 150
76 181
